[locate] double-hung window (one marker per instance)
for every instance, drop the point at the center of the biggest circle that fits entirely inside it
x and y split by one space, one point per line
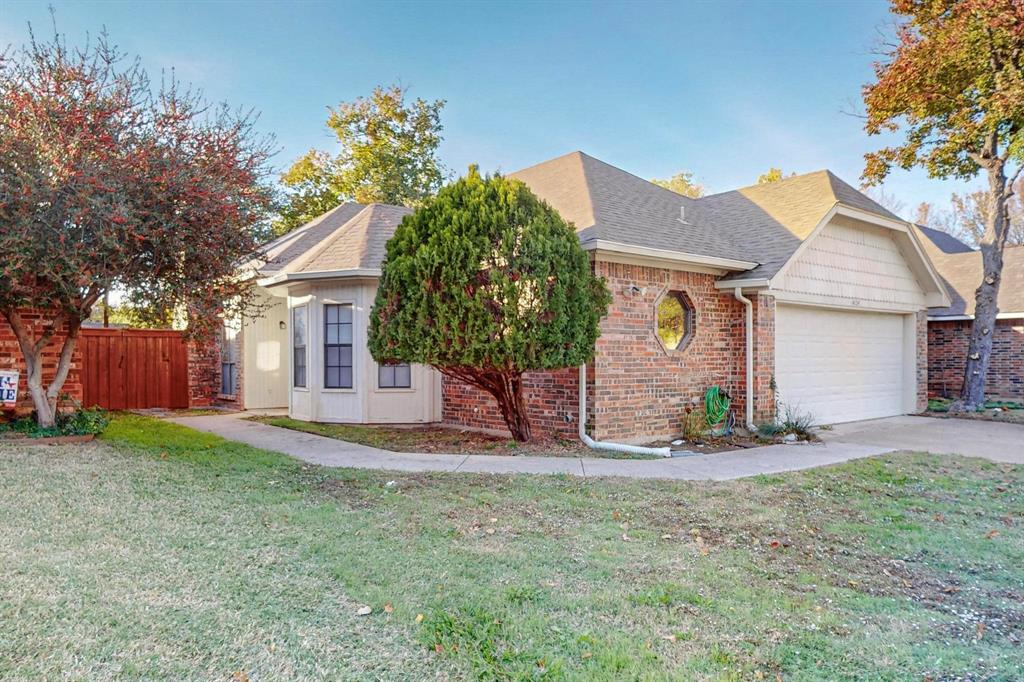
337 346
299 347
394 376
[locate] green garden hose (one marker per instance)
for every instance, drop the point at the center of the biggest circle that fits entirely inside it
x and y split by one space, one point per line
716 406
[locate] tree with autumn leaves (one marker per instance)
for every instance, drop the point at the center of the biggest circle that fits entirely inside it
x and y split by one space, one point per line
104 186
953 85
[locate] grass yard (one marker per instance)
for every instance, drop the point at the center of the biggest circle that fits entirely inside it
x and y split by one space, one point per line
164 553
994 411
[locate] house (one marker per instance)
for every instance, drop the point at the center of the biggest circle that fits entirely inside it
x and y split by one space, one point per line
804 292
949 327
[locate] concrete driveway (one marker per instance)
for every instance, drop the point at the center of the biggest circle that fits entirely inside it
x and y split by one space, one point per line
998 441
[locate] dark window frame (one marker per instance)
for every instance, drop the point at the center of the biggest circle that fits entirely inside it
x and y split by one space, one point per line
393 383
338 326
689 320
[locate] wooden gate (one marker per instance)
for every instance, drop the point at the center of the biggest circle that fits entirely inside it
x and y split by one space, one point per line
125 369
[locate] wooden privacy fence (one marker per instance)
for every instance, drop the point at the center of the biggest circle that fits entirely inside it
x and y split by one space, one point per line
125 369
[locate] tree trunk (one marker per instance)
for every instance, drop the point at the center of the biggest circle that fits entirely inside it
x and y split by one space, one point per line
979 351
44 398
513 407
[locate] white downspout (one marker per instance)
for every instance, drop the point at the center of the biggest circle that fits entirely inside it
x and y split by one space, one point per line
738 293
601 445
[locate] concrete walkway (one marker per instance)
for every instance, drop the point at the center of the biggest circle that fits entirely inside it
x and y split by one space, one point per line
715 467
998 441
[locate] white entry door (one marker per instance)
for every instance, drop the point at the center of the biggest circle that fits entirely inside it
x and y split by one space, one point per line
838 365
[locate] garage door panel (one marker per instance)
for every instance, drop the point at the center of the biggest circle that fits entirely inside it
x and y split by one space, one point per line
839 365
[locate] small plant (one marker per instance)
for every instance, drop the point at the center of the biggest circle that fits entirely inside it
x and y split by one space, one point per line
796 422
80 422
694 424
770 429
789 420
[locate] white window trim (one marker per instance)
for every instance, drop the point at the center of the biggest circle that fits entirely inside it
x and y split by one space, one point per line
322 355
291 347
411 388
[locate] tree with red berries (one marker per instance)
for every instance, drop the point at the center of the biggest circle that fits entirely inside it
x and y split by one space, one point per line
105 186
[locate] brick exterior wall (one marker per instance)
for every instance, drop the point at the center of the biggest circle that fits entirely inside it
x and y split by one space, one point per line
947 354
922 360
11 359
640 389
552 400
764 357
637 390
203 373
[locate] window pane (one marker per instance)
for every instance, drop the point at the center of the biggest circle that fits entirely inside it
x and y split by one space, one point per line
403 376
333 356
672 321
332 334
345 334
332 378
345 356
345 314
386 376
299 326
332 313
346 377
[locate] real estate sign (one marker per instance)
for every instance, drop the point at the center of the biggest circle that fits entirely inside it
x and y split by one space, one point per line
8 388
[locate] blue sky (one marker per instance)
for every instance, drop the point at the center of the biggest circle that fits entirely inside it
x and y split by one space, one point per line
723 89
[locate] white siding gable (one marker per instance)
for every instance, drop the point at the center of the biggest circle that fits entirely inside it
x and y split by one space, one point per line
852 264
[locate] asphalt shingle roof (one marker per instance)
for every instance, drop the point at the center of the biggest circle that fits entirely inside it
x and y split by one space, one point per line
762 224
359 243
962 272
299 241
607 203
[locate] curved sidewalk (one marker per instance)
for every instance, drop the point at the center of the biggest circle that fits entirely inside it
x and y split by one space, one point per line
713 467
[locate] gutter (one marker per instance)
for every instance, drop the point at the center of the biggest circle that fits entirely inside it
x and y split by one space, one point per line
749 403
604 445
286 277
668 255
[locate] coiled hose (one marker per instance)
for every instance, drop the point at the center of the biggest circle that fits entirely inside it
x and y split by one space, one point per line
716 409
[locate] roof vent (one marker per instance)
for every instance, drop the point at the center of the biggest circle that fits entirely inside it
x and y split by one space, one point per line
682 215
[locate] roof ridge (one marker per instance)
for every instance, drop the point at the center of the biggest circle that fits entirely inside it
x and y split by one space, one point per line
770 185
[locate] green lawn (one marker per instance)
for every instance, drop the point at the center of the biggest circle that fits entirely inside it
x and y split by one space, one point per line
163 553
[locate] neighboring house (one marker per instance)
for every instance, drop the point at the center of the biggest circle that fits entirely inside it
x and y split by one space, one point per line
831 288
949 327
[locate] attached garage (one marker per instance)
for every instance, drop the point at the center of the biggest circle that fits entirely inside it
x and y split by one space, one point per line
840 365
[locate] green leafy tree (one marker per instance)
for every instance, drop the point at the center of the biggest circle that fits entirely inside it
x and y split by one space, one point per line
773 175
388 155
486 282
104 186
953 84
683 183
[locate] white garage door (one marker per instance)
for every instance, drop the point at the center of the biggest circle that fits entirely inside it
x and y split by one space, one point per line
839 366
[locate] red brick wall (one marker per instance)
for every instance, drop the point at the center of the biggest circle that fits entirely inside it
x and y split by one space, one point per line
947 353
764 357
203 373
922 360
551 397
640 389
11 359
637 389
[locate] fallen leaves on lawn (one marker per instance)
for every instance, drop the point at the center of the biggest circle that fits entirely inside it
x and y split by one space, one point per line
364 611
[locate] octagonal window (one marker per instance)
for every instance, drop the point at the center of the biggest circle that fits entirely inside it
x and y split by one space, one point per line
674 320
